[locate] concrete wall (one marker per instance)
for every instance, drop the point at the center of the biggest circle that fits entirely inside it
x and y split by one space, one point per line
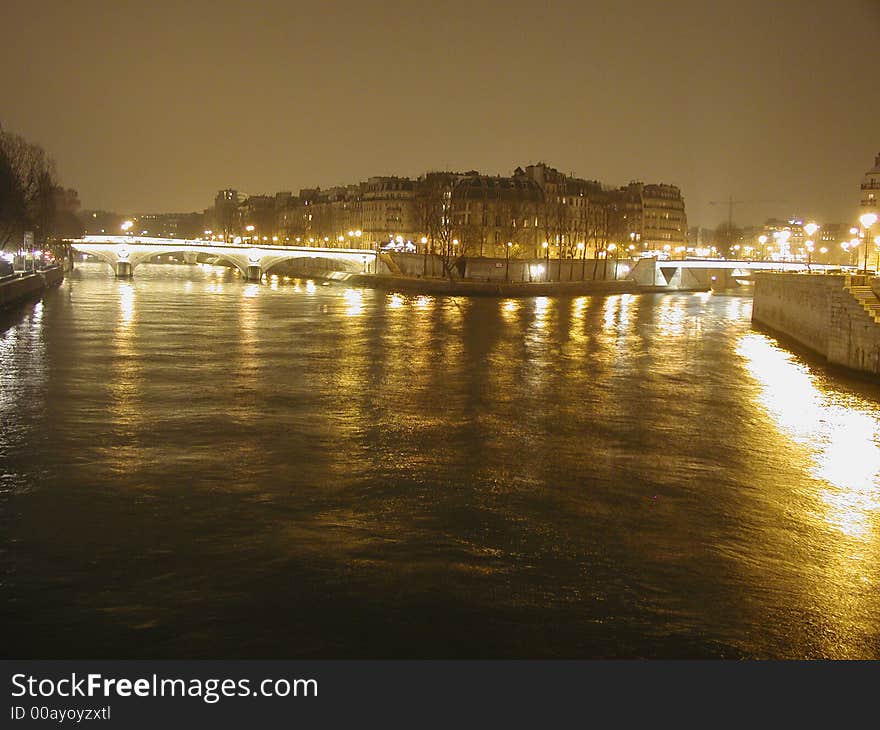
818 311
669 275
20 288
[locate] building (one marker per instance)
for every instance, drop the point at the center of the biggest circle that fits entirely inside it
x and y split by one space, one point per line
170 225
388 209
223 219
664 221
870 198
538 210
490 211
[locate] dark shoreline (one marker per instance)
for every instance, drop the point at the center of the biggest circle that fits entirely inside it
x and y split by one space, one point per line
18 289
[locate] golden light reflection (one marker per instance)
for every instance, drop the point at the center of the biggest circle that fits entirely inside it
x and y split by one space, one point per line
579 307
609 311
126 303
395 301
738 308
251 290
423 302
354 300
509 309
671 316
310 286
124 388
840 432
542 308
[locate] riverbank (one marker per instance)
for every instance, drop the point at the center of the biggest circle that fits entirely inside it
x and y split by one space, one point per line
464 287
18 288
832 315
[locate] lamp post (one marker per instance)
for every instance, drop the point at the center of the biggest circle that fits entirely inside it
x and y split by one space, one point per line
867 220
613 248
583 249
762 239
546 246
810 229
507 263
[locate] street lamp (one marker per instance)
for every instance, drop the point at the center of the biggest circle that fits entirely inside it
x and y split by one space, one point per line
546 246
507 266
867 220
784 250
583 249
762 239
613 248
810 229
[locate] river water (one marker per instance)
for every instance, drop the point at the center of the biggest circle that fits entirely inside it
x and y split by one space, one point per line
194 466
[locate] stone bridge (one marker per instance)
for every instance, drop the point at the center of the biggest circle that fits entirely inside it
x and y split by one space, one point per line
125 253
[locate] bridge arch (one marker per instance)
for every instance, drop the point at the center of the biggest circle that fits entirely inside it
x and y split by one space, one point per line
239 262
343 262
108 257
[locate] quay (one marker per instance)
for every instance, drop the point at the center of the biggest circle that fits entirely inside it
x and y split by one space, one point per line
21 286
836 316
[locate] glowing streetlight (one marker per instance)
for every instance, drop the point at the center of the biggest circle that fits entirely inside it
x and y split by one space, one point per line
126 227
762 239
867 220
783 237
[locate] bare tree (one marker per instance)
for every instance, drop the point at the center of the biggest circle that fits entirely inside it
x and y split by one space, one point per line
28 184
436 215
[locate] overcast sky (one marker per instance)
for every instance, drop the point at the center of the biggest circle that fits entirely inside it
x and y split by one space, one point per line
153 106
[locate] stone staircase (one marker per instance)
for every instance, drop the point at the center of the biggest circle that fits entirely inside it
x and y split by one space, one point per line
859 289
389 261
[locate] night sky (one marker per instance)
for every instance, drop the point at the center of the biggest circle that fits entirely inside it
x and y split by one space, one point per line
153 106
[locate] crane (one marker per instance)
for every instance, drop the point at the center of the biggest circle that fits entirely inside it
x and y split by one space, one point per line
730 202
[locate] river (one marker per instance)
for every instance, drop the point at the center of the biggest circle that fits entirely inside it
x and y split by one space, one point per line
194 466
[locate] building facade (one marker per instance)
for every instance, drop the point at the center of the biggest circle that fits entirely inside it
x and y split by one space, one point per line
870 198
536 211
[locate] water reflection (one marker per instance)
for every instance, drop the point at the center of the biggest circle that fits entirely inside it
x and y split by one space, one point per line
839 432
354 300
620 476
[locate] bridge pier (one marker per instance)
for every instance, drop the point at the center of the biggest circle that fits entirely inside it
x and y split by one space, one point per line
123 270
254 273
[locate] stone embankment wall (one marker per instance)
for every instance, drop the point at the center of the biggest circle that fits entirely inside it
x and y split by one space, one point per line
16 289
516 270
820 312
